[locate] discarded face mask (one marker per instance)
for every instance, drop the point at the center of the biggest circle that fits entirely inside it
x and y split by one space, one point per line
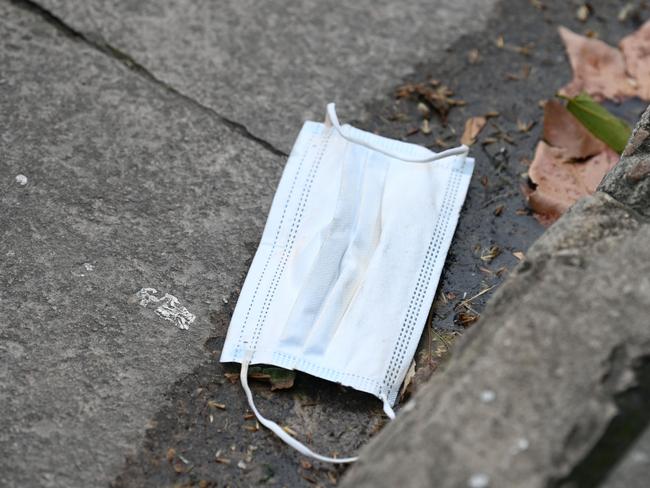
349 261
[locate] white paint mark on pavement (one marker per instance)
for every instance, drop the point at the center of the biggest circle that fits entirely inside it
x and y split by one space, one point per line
168 307
488 396
479 480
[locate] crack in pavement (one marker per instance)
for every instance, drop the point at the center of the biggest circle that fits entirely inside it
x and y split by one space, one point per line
130 63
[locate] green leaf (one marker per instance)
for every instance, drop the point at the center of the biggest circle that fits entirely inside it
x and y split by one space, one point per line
599 121
279 378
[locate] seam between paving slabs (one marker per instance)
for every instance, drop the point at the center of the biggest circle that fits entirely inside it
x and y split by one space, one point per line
126 60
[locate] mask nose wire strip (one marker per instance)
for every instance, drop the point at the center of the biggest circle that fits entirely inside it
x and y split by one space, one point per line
279 431
334 121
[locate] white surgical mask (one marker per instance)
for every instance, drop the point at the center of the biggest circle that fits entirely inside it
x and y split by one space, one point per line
349 261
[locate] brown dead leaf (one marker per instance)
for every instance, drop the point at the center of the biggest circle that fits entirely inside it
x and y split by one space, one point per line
559 184
473 126
437 95
563 130
636 52
598 68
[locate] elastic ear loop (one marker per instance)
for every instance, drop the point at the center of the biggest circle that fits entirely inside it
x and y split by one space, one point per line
279 431
333 121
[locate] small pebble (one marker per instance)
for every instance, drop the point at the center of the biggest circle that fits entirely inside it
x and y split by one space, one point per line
488 396
21 180
479 480
88 266
523 444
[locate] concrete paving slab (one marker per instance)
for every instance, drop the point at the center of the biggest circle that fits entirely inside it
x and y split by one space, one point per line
108 184
270 67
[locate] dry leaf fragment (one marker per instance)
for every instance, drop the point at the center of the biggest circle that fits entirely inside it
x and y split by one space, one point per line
473 56
232 377
519 255
490 253
499 210
442 143
466 319
213 404
559 184
290 431
489 140
279 378
583 12
525 126
473 126
410 374
598 68
525 50
171 454
424 110
563 130
332 478
500 42
525 73
438 96
636 52
625 11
